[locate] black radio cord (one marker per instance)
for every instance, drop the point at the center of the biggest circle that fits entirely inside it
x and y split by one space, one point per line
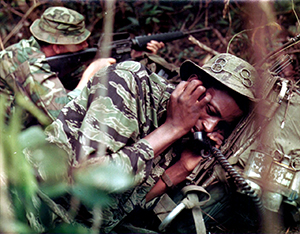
239 180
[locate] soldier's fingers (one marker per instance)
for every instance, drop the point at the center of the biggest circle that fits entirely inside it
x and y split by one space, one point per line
111 60
180 88
216 137
195 77
154 46
195 90
157 44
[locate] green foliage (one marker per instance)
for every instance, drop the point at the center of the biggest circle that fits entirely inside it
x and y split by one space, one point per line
99 181
70 228
37 172
21 183
100 177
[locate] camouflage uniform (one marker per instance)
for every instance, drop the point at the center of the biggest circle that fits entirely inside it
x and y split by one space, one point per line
23 68
108 121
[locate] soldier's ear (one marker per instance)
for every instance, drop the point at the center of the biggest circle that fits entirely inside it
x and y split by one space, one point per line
56 49
193 76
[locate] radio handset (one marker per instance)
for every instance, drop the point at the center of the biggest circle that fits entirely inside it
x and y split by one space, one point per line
202 144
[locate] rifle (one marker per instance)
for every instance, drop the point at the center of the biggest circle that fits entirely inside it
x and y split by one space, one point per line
65 64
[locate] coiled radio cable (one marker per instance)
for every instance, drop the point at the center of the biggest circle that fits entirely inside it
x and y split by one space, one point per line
238 179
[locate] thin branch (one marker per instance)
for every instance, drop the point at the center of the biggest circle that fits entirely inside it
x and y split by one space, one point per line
21 22
228 46
1 44
295 13
222 39
202 46
11 9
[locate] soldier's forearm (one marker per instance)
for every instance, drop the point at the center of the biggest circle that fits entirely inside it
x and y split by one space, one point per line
176 173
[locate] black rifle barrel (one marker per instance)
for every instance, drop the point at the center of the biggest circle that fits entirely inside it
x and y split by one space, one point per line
140 42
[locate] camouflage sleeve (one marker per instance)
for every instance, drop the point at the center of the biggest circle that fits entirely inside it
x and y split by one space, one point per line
53 96
23 69
110 118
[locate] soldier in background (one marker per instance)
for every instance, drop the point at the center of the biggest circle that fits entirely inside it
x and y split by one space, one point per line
24 70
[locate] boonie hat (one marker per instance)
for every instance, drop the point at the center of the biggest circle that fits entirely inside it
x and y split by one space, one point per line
61 26
233 72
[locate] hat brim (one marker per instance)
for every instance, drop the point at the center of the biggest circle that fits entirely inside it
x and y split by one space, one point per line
189 68
57 39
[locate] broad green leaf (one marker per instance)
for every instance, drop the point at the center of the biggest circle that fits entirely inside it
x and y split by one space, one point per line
50 162
90 196
156 20
133 21
54 190
32 137
108 178
166 8
148 20
147 6
186 7
155 12
70 228
14 226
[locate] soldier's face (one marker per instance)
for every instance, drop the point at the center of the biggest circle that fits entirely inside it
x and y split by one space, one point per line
72 48
220 111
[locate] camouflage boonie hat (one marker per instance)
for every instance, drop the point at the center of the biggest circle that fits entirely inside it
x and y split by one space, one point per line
61 26
233 72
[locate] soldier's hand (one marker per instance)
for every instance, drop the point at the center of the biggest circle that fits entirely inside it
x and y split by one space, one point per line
189 160
152 46
217 137
92 69
185 105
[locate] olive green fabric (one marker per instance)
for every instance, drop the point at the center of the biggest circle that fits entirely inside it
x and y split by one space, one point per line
60 25
268 150
275 136
235 73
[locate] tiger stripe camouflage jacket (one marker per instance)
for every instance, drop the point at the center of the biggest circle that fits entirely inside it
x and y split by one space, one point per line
107 123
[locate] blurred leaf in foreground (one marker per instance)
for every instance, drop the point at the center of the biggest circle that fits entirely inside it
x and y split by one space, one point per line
93 184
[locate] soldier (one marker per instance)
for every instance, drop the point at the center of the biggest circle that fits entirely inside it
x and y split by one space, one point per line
23 68
141 119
